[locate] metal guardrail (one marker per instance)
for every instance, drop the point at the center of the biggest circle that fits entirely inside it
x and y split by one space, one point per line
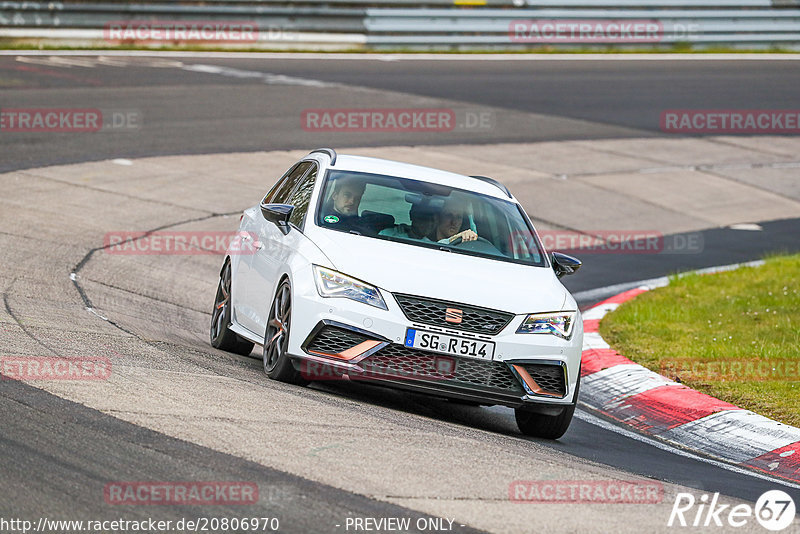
370 23
96 15
497 27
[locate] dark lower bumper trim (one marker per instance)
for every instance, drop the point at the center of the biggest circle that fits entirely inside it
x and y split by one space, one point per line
443 389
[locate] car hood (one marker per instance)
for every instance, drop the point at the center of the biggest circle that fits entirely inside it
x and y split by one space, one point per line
401 268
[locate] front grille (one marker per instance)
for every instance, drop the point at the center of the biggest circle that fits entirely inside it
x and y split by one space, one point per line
403 362
429 311
549 377
333 340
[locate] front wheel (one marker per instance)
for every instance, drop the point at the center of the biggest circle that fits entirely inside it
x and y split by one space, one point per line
277 363
221 336
540 425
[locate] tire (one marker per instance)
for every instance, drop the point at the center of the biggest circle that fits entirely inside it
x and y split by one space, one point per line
220 334
539 425
277 364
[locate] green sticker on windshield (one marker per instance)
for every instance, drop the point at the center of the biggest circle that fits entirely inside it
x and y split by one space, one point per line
331 219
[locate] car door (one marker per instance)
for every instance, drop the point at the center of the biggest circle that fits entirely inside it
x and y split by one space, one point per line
246 298
277 247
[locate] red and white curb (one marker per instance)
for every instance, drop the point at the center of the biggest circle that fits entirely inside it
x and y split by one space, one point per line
615 387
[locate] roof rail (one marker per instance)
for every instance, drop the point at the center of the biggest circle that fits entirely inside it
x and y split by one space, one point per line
495 183
329 151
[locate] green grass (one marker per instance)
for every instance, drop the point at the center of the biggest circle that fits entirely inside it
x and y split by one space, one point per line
700 328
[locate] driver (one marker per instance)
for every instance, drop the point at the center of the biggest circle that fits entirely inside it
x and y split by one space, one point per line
343 213
449 221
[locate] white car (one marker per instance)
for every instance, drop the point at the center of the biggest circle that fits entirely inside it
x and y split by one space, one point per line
355 268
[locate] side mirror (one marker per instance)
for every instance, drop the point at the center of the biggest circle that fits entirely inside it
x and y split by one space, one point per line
563 264
278 214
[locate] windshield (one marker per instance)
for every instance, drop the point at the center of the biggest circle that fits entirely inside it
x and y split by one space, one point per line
427 215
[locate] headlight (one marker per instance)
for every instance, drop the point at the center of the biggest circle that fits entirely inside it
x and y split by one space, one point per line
559 324
334 284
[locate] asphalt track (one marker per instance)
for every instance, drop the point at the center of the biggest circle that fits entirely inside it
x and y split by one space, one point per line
245 106
63 452
61 455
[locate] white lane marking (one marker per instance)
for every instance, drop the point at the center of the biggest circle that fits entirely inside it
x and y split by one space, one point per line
92 61
121 161
749 227
605 425
58 61
414 57
609 291
211 69
266 77
120 62
751 434
66 61
723 268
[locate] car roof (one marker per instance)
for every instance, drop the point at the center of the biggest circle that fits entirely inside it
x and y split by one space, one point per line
417 172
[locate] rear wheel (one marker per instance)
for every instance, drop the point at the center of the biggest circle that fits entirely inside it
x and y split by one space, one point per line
277 363
547 426
221 336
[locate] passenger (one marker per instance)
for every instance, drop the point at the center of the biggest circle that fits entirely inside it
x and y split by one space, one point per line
422 222
342 213
449 222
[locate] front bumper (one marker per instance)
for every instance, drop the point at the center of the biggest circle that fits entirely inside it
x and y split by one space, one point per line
335 339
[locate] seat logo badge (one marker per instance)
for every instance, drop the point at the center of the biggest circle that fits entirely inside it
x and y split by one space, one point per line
453 315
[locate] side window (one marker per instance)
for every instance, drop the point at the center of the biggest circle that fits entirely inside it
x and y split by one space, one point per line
280 193
301 197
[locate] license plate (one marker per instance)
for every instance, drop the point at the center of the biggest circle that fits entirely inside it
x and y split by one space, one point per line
453 345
